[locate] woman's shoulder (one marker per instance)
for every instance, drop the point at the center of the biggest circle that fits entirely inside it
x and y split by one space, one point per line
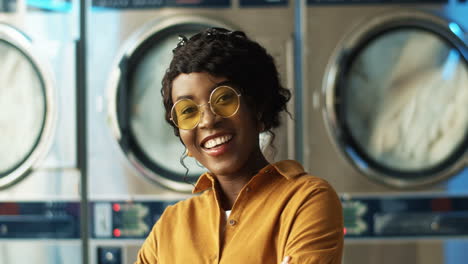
310 181
295 174
302 191
311 187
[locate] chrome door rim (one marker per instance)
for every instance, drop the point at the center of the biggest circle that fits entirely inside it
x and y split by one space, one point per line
21 42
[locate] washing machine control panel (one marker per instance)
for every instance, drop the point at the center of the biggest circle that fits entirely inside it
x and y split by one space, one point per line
397 217
364 217
366 2
54 220
125 219
123 4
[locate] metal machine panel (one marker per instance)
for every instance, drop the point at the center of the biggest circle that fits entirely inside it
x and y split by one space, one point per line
406 217
133 156
40 220
47 148
38 166
364 75
335 156
109 160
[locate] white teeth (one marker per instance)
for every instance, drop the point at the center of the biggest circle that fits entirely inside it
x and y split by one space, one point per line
217 141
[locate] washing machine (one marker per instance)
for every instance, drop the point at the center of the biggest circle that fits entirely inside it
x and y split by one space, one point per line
39 177
386 123
134 159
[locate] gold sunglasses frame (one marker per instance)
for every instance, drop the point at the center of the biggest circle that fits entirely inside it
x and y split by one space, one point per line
208 103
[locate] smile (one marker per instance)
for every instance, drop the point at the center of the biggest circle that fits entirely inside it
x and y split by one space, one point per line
214 142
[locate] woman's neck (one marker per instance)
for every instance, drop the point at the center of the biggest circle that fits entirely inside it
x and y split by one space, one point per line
231 185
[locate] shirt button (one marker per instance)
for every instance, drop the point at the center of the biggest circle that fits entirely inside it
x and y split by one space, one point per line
232 222
248 189
267 170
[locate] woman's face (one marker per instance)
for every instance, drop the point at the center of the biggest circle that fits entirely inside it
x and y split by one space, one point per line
222 145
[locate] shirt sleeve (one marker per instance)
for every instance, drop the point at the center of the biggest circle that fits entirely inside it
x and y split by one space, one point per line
316 235
148 251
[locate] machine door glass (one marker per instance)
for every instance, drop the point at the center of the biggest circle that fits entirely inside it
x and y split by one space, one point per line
403 102
146 138
39 220
23 111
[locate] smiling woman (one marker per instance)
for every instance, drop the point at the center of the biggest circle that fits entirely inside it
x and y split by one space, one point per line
220 92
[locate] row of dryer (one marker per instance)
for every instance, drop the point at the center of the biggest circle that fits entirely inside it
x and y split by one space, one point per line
380 100
38 150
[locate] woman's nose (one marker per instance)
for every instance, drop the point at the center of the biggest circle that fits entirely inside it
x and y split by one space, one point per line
208 119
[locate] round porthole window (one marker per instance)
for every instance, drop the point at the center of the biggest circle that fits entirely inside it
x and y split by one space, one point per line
25 109
400 100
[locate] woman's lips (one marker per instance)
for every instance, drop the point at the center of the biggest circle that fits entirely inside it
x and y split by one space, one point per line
219 150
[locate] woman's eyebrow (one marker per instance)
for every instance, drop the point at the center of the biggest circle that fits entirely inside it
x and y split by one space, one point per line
211 90
184 97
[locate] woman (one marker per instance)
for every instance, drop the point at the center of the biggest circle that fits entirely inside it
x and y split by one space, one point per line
220 91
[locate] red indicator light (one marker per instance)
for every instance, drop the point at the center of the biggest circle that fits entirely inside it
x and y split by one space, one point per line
441 205
117 232
9 209
344 231
116 207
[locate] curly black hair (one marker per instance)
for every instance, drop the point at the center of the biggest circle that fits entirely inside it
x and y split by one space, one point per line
232 55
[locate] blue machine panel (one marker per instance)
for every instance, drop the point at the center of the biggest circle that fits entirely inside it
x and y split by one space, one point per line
364 217
198 3
364 2
401 217
125 219
150 4
40 220
263 3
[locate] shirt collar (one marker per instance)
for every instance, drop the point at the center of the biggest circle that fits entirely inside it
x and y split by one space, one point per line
205 181
287 168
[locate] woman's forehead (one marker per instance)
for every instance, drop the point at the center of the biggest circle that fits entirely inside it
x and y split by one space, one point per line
194 84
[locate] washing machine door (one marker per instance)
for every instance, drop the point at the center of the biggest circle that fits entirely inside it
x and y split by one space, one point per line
26 109
397 99
136 108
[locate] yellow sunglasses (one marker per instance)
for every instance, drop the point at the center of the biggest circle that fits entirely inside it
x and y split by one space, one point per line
224 101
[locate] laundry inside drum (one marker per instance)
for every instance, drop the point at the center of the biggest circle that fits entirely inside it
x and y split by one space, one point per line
22 107
406 98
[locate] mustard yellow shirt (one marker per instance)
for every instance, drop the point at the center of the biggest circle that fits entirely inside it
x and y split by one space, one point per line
282 211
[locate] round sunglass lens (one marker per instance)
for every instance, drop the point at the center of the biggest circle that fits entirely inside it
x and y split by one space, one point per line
224 101
185 114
